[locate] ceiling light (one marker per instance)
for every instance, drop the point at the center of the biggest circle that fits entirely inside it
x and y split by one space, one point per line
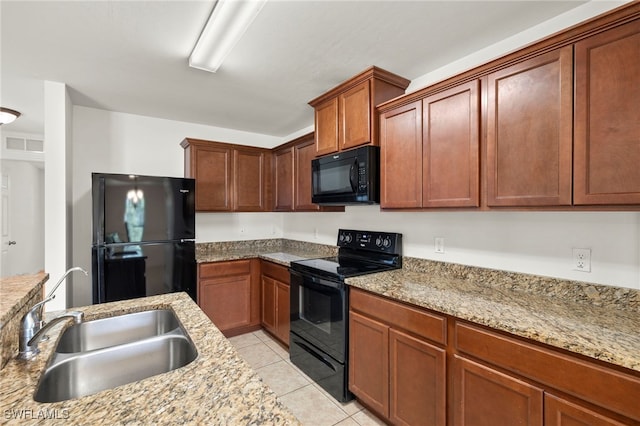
226 25
8 115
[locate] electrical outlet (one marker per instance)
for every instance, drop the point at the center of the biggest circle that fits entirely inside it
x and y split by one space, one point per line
582 259
242 229
439 244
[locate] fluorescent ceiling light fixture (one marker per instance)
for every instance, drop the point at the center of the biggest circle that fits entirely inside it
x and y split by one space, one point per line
8 115
226 25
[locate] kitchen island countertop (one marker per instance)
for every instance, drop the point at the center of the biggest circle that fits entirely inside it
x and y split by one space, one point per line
218 387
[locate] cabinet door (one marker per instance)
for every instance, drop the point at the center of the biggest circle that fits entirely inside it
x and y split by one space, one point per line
326 127
226 301
486 397
418 381
529 132
282 312
284 180
249 180
451 138
268 317
560 412
355 116
369 362
212 171
401 157
607 126
304 153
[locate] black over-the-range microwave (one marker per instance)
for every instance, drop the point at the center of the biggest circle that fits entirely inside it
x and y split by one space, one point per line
347 177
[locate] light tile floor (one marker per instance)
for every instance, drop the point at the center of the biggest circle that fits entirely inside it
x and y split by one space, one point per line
306 400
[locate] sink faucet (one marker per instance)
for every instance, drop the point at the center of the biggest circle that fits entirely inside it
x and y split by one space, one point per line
32 326
29 340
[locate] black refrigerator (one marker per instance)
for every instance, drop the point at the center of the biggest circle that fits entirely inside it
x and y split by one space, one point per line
143 236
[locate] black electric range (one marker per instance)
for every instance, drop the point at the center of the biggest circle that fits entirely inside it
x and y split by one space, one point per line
319 299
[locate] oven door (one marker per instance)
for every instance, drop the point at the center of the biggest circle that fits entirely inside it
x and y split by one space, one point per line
319 313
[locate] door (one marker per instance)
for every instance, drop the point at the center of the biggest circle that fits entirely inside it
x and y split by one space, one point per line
417 376
401 157
250 173
318 313
304 154
284 180
529 132
607 127
326 125
369 362
355 116
486 397
128 271
22 217
451 146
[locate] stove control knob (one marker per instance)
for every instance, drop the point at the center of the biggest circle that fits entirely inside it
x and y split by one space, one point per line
387 242
379 241
348 238
341 238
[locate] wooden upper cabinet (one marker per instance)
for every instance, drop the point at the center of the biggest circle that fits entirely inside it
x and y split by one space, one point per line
211 167
228 177
429 151
283 165
292 176
304 153
451 145
326 124
345 116
607 126
355 117
250 172
529 132
401 157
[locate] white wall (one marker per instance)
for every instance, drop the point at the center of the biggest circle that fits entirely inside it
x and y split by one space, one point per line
530 242
113 142
57 232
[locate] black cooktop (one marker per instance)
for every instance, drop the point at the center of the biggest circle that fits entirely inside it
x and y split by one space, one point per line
339 267
360 252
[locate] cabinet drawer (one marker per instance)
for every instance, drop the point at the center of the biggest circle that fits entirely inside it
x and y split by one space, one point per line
416 321
606 387
220 269
275 271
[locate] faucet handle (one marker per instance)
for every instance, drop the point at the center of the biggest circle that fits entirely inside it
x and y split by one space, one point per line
33 318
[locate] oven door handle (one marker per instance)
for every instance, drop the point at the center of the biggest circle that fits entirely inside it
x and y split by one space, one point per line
315 282
316 355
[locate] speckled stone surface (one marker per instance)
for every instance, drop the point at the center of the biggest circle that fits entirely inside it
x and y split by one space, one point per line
281 251
17 295
601 322
217 388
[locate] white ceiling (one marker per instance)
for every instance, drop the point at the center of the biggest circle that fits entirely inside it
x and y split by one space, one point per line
131 56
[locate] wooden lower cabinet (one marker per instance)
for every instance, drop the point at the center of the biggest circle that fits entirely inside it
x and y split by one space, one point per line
275 300
560 412
486 397
499 379
399 376
414 366
229 293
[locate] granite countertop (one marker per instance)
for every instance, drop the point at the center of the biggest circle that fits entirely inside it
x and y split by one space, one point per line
218 387
18 290
278 251
607 333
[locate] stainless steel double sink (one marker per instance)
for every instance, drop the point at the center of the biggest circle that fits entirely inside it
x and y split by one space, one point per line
105 353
